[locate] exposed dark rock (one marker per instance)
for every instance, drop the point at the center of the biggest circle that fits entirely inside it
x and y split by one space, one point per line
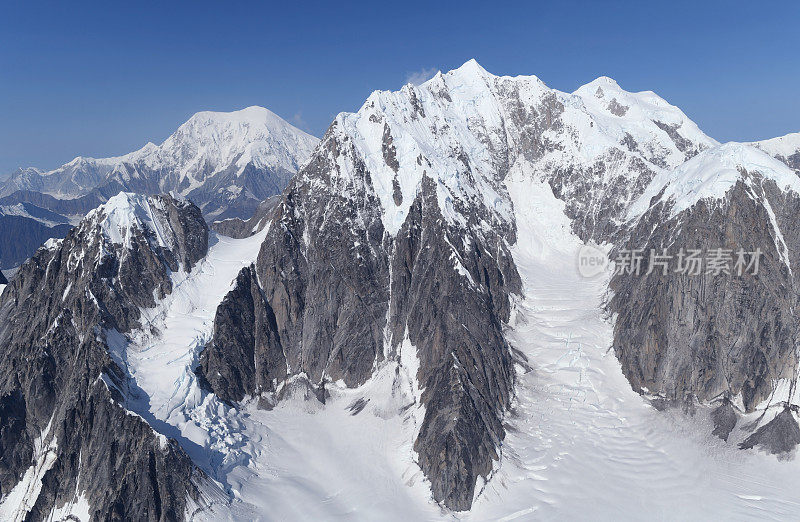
684 145
724 418
793 161
389 151
253 186
238 228
245 355
779 436
324 272
16 448
784 148
358 406
454 320
616 108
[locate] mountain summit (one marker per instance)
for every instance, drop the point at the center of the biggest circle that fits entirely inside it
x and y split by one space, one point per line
226 162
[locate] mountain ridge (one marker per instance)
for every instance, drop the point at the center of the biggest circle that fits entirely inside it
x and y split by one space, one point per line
217 138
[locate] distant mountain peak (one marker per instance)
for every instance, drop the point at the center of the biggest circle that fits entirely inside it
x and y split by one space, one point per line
227 162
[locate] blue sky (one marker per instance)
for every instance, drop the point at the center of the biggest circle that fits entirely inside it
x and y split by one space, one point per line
101 79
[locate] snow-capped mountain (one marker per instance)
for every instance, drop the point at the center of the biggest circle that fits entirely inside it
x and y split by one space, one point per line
71 445
227 163
397 237
404 333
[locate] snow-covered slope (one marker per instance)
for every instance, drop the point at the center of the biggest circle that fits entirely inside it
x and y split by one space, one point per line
126 214
710 174
785 148
217 158
780 146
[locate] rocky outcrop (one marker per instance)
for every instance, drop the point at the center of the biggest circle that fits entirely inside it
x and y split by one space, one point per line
239 229
779 436
708 334
245 356
451 303
324 270
683 333
63 385
724 418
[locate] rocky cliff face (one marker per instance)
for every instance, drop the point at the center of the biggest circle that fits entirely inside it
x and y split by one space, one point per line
245 356
716 334
67 438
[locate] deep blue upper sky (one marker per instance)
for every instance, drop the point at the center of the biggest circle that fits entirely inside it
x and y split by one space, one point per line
104 79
